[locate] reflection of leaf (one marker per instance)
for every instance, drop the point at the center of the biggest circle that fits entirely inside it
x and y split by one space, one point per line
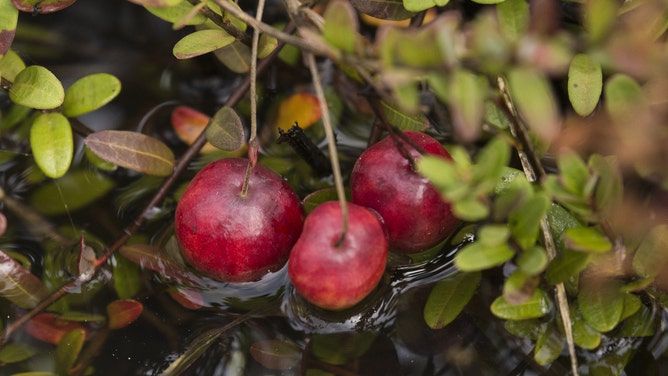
52 143
18 285
122 313
38 88
132 150
276 354
153 258
225 130
71 192
448 298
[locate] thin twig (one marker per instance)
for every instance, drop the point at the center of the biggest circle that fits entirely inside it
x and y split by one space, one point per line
228 27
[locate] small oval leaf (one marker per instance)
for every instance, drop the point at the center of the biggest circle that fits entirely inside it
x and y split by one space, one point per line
14 353
132 150
276 354
341 25
601 302
52 144
10 65
587 239
225 130
477 256
90 93
38 88
201 42
536 101
50 328
448 298
585 84
236 56
18 285
538 305
68 350
122 313
181 13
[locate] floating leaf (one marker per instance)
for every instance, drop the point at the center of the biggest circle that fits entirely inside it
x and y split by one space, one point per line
585 84
236 56
384 9
601 302
301 108
587 239
127 277
537 306
513 18
201 42
9 16
476 256
68 350
10 65
122 313
14 353
50 328
155 259
42 6
37 87
18 285
90 93
341 25
652 254
52 143
448 298
396 117
276 354
225 130
132 150
535 100
549 345
71 192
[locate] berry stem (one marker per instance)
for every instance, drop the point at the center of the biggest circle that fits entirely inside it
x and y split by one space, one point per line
331 144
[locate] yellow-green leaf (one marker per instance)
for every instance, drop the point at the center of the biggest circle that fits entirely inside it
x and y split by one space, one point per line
37 87
225 130
201 42
9 16
536 101
477 256
601 302
236 56
73 191
341 25
68 350
585 84
538 305
10 65
52 143
90 93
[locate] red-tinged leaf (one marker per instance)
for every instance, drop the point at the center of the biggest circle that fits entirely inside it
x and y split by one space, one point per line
187 298
132 150
122 313
87 261
153 258
50 328
18 285
276 354
302 108
157 3
42 6
9 16
188 123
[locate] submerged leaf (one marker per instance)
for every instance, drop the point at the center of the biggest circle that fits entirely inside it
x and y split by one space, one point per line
19 285
122 313
448 298
38 88
14 353
71 192
52 143
276 354
90 93
68 350
132 150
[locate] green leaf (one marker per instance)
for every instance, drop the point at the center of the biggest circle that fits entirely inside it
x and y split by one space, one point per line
341 26
513 18
609 187
583 334
652 254
201 42
519 287
157 3
549 345
178 13
10 65
599 16
587 239
90 93
487 2
315 198
567 264
448 298
68 350
585 84
495 116
601 302
467 103
127 277
18 285
525 220
529 329
405 122
14 353
225 130
420 5
537 306
132 150
52 143
493 235
624 98
533 260
574 174
38 88
470 209
266 45
641 324
122 313
73 191
476 256
236 56
536 101
632 304
490 165
42 6
9 16
276 354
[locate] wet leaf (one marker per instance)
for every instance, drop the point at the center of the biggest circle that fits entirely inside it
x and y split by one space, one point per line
583 334
652 254
448 298
52 143
132 150
225 130
467 103
15 352
585 84
178 13
68 350
587 239
73 191
122 313
549 345
513 18
127 277
235 56
533 260
38 88
10 65
420 5
538 305
601 302
536 102
403 121
476 256
19 285
90 93
341 26
276 354
530 328
201 42
640 324
9 16
384 9
50 328
153 258
188 123
42 6
301 108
